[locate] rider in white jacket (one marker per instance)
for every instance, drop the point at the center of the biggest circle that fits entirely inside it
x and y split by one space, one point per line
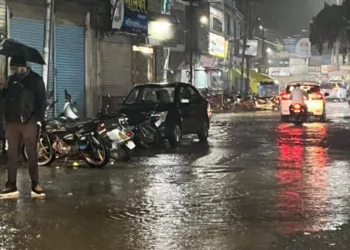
298 95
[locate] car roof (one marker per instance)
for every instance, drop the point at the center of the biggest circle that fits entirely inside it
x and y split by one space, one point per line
163 84
304 83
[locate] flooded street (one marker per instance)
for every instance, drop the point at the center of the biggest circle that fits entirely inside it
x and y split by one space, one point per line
256 184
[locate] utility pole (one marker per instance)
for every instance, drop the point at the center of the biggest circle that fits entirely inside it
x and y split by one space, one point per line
47 40
245 37
263 50
190 39
250 36
337 44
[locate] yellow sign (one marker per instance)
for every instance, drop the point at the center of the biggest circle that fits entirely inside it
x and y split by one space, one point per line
136 5
226 50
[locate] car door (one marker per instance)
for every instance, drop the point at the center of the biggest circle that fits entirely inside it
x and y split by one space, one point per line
187 109
199 108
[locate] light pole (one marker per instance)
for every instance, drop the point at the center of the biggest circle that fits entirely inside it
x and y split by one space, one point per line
263 55
190 39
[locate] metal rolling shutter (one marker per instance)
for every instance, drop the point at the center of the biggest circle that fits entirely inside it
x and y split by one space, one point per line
31 33
70 65
116 65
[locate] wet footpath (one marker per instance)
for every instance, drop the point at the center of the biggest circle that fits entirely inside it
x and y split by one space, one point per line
257 184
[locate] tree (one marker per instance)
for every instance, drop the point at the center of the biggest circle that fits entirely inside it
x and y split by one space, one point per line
330 25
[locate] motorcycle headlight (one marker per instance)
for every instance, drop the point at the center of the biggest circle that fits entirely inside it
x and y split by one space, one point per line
161 116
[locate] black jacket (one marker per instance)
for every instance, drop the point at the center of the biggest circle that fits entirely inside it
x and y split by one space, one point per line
35 87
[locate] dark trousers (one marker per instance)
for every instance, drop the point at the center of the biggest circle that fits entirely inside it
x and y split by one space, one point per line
28 134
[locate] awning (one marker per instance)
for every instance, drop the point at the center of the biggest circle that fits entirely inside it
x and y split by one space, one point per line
255 78
258 77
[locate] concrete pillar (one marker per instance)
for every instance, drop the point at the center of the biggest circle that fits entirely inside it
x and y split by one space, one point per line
47 39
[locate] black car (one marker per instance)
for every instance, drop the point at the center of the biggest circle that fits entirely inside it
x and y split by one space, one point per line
179 105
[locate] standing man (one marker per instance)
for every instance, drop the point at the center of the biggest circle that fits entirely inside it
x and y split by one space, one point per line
25 103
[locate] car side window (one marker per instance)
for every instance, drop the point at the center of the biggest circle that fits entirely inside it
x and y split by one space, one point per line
184 94
194 94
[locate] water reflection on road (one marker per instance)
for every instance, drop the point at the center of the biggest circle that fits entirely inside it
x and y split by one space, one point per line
254 180
308 199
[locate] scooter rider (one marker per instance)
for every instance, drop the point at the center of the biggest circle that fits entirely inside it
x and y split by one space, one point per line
298 95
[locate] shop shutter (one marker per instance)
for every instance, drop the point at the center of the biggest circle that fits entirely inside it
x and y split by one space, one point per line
31 33
116 65
70 65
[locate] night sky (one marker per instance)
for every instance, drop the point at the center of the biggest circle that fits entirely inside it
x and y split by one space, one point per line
288 16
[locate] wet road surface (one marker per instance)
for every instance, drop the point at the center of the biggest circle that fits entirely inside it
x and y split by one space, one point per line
256 184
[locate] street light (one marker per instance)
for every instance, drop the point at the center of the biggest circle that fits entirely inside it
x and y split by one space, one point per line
261 27
268 50
204 20
269 61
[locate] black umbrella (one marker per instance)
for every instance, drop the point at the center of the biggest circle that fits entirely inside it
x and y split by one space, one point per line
10 48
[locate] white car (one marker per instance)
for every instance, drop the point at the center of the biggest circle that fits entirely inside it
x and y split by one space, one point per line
336 90
316 104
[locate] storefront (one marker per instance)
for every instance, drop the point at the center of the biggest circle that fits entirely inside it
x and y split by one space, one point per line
128 24
116 67
67 64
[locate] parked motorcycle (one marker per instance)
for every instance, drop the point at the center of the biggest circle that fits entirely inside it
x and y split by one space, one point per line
297 114
147 132
243 104
266 103
66 136
116 133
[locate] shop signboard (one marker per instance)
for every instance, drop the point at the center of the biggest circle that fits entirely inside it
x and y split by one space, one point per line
279 71
303 48
216 45
129 15
290 46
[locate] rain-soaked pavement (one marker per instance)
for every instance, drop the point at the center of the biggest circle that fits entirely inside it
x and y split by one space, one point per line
257 184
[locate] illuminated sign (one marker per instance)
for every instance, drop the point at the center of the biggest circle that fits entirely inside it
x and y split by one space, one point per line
129 15
216 45
145 50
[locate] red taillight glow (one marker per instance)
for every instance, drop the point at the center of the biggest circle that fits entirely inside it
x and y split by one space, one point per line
285 96
129 134
317 96
100 126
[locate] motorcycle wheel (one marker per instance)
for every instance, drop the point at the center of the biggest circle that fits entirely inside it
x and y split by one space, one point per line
102 148
43 150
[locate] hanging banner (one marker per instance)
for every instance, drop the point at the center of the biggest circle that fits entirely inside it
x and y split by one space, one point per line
129 15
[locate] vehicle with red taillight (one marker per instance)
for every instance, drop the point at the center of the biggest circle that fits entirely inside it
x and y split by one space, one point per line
315 102
298 113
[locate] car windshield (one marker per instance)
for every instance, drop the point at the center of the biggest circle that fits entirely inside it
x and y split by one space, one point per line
307 88
151 94
328 86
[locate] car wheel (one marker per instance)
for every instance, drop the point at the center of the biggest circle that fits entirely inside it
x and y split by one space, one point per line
203 134
175 136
